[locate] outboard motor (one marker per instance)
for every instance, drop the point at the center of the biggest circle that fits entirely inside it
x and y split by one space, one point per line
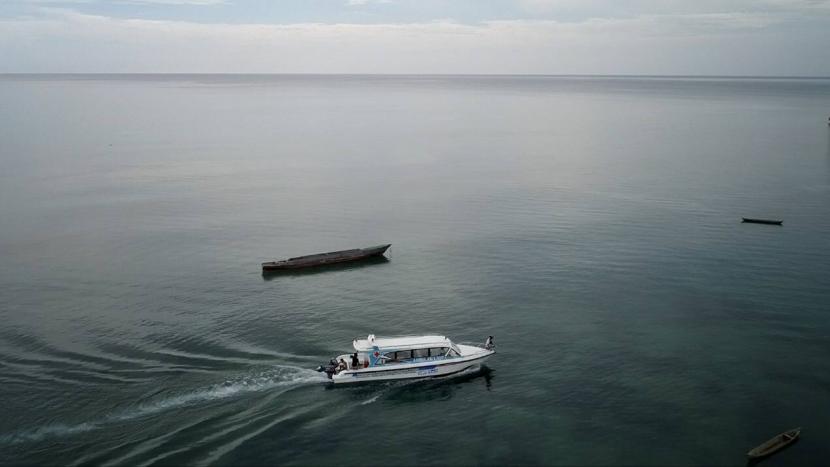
489 344
330 369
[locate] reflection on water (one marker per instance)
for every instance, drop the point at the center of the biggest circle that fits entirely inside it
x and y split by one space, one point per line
438 388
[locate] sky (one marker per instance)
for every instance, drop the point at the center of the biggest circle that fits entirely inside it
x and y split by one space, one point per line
618 37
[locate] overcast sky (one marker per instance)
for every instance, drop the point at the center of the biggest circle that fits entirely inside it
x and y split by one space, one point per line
688 37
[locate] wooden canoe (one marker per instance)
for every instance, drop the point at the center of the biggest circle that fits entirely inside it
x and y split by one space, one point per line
775 444
750 220
324 259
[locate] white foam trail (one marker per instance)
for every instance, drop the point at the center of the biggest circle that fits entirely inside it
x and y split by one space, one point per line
280 376
370 400
47 431
268 379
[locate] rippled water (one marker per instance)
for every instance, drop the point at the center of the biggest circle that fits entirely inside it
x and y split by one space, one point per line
591 224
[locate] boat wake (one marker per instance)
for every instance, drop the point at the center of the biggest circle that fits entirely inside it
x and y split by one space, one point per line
47 431
281 376
272 378
371 399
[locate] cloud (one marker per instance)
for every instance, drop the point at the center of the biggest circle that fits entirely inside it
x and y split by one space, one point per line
50 2
176 2
135 2
628 8
699 43
365 2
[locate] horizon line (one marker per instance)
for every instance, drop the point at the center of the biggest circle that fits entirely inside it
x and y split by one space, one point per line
540 75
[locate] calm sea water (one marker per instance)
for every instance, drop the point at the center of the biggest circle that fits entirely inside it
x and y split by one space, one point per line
591 224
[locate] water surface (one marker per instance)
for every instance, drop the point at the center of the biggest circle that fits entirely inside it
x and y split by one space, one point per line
591 224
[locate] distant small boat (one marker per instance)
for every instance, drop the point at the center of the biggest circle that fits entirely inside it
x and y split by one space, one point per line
775 444
762 221
323 259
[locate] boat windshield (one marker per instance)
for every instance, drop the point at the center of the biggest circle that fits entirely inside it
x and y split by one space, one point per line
416 355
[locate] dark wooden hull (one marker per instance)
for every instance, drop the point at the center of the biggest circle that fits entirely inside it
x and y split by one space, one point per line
325 259
750 220
775 444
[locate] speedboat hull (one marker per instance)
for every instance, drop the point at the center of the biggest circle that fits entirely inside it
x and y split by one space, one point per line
472 357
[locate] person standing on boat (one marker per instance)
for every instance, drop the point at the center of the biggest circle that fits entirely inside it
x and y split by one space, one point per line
355 361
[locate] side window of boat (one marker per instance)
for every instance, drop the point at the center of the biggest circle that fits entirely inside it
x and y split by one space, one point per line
402 355
438 352
421 353
454 353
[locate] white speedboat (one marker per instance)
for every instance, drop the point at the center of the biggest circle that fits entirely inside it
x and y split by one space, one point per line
389 358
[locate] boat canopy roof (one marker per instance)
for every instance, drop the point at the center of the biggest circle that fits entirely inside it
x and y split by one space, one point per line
403 342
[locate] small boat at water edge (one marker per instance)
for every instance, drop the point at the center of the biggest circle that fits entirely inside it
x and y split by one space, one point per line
409 357
775 444
750 220
323 259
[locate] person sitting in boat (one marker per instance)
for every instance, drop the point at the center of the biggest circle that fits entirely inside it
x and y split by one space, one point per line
342 366
355 361
489 344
